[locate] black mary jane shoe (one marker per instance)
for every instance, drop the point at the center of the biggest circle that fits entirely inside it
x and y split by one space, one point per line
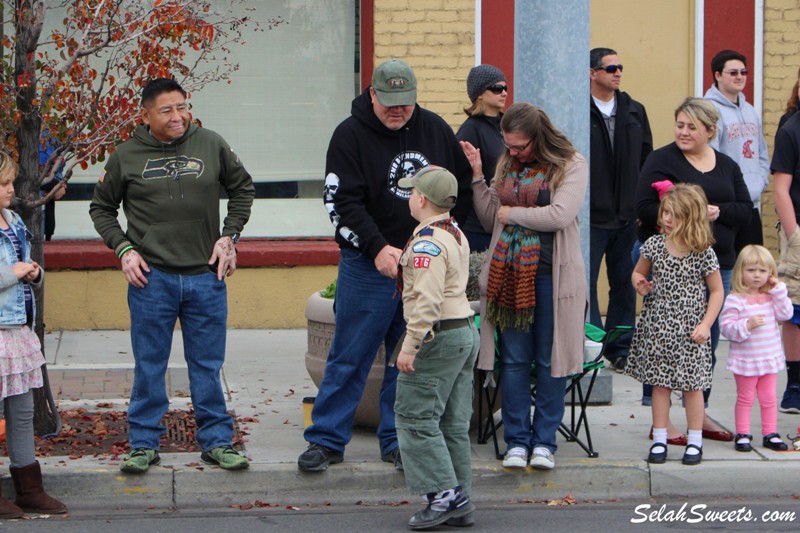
657 458
693 459
779 446
743 446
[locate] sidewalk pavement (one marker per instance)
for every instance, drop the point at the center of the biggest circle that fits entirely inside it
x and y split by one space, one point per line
266 379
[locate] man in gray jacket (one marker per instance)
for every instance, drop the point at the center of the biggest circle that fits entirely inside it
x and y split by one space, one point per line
740 135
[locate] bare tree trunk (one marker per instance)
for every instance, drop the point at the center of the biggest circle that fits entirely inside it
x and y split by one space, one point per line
28 23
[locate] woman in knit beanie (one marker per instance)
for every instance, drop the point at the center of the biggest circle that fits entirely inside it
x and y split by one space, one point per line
487 90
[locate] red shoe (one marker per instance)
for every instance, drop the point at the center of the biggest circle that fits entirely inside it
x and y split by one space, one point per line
724 436
675 441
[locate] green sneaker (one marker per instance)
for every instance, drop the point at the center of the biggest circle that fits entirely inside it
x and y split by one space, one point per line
139 461
226 457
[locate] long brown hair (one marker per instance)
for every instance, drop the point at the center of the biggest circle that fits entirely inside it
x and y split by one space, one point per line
550 146
792 104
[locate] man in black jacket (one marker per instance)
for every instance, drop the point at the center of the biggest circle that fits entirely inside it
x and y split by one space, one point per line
620 142
386 138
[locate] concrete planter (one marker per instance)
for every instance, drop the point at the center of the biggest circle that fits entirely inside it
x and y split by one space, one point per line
320 317
319 314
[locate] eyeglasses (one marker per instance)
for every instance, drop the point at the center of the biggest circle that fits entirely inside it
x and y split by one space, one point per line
166 110
735 73
497 88
517 148
611 69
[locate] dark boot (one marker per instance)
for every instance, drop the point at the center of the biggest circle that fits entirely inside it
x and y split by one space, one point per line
9 510
31 496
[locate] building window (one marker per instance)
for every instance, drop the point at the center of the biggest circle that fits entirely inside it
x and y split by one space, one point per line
294 85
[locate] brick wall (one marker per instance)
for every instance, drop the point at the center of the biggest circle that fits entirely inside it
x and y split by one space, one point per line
781 61
435 37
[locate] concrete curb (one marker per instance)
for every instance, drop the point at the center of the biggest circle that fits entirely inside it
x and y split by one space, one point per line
82 487
717 478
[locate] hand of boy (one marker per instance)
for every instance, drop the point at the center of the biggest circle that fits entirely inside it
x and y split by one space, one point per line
405 362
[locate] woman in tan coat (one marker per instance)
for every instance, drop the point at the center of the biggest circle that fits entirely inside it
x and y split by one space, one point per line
533 283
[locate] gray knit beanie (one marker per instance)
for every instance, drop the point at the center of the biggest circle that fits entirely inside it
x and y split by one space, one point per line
480 78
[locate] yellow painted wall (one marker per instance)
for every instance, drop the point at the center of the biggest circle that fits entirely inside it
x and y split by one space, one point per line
437 39
655 43
257 297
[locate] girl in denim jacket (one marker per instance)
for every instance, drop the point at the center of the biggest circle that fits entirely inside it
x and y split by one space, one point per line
21 356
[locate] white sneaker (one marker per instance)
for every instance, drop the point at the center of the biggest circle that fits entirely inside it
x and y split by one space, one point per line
516 458
542 459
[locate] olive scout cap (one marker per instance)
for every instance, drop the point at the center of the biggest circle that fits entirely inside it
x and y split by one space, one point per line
395 84
436 184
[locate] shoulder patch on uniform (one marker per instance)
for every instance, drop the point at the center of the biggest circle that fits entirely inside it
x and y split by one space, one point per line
426 247
426 232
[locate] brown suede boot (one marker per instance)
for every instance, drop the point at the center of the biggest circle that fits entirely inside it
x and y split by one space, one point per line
31 496
9 510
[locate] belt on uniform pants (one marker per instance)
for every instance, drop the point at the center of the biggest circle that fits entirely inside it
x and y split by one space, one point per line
453 323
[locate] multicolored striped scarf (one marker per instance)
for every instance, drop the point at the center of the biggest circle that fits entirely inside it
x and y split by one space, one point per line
511 290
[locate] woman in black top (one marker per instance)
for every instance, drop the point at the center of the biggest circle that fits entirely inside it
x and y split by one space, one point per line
691 159
487 90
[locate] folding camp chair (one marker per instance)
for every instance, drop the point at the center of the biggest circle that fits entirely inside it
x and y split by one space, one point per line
577 392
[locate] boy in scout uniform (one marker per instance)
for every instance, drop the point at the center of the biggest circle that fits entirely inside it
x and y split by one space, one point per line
434 389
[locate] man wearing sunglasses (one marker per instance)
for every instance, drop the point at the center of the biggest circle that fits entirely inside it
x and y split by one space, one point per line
620 142
740 135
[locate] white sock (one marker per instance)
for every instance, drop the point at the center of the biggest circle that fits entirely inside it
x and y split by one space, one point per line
660 437
776 439
743 440
695 436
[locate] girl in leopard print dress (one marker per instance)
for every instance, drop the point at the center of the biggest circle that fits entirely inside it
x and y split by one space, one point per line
671 348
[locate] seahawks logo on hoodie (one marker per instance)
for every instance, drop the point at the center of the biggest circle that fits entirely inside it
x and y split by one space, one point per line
173 167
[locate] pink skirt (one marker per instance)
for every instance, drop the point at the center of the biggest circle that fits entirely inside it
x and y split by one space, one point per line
21 361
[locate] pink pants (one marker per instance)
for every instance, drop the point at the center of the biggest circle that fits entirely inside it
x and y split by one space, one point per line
746 388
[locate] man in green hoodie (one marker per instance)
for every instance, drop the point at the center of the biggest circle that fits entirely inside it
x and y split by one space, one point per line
167 179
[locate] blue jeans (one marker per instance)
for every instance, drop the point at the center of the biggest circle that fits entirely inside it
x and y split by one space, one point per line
369 312
200 302
616 245
518 350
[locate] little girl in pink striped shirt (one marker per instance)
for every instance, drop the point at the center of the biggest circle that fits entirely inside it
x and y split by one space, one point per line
749 319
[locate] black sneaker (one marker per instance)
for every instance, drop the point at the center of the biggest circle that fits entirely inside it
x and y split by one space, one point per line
317 458
459 513
619 364
791 399
394 458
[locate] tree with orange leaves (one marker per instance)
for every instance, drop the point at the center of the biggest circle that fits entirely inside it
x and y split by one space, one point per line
81 82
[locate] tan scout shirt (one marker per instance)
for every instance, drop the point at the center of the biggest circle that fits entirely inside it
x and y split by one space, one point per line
435 271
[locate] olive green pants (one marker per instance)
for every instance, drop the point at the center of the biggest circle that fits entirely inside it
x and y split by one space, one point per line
432 409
